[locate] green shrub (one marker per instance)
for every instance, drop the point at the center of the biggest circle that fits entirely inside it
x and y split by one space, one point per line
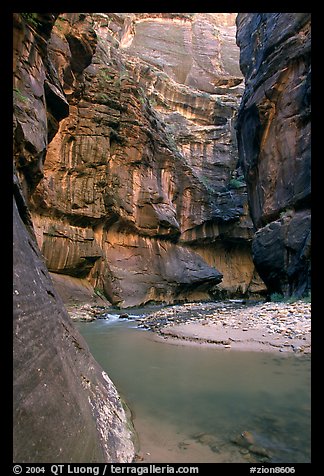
106 75
206 183
31 19
236 183
308 298
19 95
52 231
153 101
277 297
99 292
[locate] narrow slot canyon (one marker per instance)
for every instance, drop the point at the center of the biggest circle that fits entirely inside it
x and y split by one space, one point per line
159 159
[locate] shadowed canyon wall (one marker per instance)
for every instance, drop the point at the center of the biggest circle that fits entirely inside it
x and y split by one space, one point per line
141 195
274 139
66 409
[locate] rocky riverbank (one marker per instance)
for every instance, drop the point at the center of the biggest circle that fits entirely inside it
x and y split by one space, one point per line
266 326
236 324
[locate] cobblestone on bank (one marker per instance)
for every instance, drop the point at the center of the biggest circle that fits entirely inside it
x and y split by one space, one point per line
267 325
86 312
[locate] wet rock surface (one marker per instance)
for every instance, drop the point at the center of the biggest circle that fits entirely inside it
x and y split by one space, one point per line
248 446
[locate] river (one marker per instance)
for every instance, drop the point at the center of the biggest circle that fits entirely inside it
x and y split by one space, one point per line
192 404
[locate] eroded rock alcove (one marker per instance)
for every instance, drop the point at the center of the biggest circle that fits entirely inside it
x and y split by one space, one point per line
141 200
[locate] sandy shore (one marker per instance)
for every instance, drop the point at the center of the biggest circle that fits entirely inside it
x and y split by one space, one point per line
267 327
228 325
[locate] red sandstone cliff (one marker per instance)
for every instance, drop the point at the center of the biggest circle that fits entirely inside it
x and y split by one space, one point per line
139 199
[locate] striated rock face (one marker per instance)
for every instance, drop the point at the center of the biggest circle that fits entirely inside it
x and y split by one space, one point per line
141 175
274 144
195 49
66 409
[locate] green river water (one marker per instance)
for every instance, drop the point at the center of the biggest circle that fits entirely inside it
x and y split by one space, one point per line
190 404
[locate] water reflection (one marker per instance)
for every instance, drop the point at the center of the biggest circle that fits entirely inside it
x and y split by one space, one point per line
192 404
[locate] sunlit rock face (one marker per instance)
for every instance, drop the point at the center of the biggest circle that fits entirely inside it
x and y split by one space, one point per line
142 173
196 49
65 408
274 144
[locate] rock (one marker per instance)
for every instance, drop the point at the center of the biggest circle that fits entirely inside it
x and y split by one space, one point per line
248 457
297 348
124 315
248 437
276 108
244 451
258 450
215 448
277 237
209 440
245 439
205 438
183 445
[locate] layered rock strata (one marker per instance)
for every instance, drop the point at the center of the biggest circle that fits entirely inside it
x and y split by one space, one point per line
66 409
274 144
141 175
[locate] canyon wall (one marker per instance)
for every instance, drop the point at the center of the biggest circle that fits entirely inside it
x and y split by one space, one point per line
66 409
141 197
274 140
